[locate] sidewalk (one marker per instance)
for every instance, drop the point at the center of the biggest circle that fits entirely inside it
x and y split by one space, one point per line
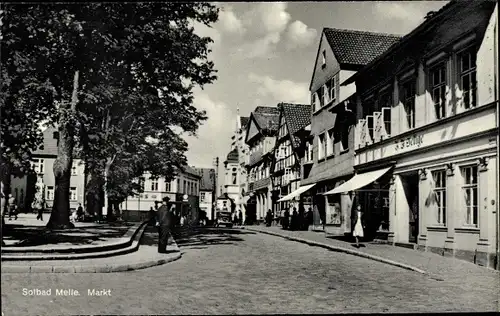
146 256
429 263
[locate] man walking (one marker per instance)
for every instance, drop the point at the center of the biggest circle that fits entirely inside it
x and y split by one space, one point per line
164 223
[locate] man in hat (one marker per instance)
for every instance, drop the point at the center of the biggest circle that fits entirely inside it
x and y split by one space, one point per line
164 223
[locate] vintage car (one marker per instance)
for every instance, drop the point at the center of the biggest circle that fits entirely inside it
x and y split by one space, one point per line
223 218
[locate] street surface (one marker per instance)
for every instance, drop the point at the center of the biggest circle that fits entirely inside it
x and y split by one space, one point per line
226 271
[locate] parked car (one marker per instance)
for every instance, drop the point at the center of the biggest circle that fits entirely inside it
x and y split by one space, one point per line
223 218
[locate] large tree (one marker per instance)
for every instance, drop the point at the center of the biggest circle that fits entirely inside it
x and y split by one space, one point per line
102 68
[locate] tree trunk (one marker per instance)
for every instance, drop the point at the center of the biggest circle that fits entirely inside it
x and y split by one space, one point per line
59 218
93 194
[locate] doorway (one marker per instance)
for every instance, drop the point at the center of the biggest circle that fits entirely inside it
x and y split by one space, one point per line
410 185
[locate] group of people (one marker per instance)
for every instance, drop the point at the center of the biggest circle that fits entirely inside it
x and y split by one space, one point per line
238 218
298 220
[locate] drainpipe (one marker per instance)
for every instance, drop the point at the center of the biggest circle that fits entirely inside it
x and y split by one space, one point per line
497 94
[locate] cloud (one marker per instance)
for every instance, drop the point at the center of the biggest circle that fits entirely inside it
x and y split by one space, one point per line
269 17
229 22
299 35
262 47
206 31
281 90
398 11
212 136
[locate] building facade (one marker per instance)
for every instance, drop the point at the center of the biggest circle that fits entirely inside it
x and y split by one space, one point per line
260 137
286 167
186 182
42 177
426 137
207 192
330 163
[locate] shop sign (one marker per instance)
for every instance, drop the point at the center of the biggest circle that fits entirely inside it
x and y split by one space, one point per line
409 142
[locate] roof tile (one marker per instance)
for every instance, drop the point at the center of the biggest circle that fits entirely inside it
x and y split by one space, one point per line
358 47
297 116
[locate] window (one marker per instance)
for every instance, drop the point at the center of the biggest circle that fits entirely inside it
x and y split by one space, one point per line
168 186
344 135
202 196
38 165
408 94
195 189
368 107
154 184
330 86
440 195
74 170
386 116
50 193
369 122
468 83
141 183
184 187
72 194
178 186
234 178
323 59
384 105
321 146
469 189
438 89
329 142
309 153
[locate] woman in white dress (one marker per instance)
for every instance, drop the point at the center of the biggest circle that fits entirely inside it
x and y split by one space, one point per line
358 226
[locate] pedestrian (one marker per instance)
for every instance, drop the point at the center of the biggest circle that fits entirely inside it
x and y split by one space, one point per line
286 219
152 215
301 217
240 218
183 219
310 218
269 218
79 212
12 207
41 208
293 224
359 225
164 221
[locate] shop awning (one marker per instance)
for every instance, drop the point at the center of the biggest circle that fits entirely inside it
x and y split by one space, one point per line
358 181
297 192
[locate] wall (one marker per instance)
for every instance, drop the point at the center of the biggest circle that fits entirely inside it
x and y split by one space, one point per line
347 90
320 74
206 204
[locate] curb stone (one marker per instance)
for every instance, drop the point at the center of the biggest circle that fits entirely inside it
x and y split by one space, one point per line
343 250
94 269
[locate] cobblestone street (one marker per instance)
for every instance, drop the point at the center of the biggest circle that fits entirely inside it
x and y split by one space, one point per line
234 272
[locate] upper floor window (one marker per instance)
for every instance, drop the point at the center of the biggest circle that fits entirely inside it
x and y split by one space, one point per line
321 146
141 183
154 184
323 59
329 91
438 89
344 135
50 193
368 107
195 188
74 170
168 186
309 151
385 99
469 189
184 187
408 93
38 165
467 72
178 186
369 122
329 142
233 178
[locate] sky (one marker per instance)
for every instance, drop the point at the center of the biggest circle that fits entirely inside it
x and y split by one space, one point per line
264 54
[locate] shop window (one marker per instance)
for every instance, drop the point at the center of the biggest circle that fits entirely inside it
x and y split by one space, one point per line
408 94
470 193
440 195
438 89
467 73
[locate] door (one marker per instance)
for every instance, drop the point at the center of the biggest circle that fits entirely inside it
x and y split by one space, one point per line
412 198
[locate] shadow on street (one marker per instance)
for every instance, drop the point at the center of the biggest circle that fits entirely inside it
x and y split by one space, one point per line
202 237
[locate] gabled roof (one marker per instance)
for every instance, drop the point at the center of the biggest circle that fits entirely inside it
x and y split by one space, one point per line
267 118
296 116
207 180
244 121
356 48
